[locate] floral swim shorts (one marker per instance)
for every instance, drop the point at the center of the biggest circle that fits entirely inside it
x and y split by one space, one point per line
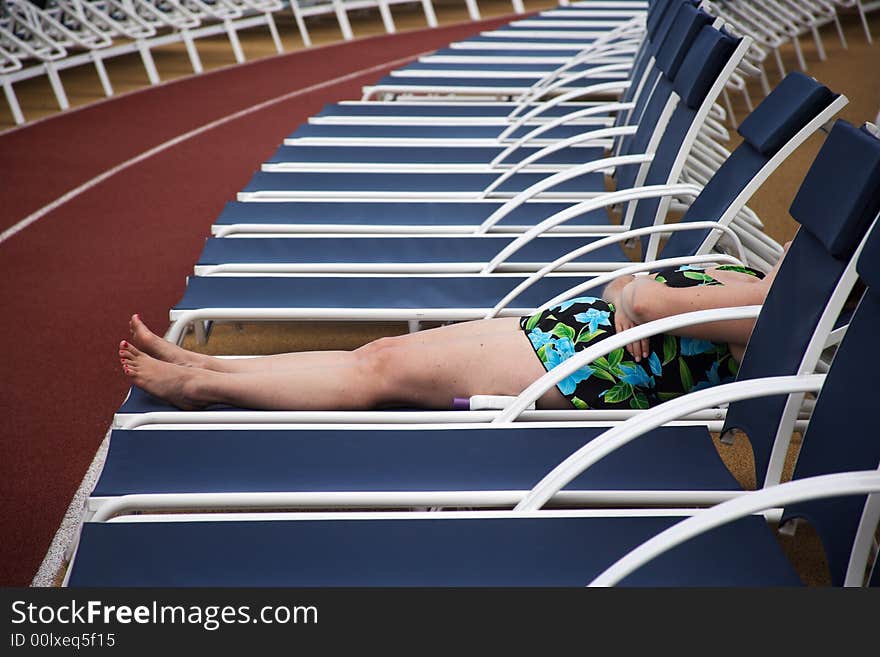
675 365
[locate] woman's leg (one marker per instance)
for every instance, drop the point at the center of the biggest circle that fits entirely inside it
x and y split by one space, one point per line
153 345
159 348
426 369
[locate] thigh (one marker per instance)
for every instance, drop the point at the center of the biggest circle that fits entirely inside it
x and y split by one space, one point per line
489 357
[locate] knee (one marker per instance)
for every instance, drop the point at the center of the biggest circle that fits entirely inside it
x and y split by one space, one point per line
377 363
377 356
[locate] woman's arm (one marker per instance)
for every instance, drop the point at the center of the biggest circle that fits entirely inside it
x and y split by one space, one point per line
640 299
645 300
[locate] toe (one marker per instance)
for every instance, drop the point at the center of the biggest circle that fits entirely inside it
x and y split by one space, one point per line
130 350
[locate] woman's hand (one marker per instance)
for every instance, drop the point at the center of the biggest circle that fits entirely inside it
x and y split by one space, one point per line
622 321
612 291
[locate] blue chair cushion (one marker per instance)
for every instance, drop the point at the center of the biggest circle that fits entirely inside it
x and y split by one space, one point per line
393 213
385 250
709 53
351 293
677 42
840 194
655 14
436 552
781 114
404 459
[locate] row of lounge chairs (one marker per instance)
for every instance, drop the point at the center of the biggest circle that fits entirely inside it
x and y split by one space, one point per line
45 37
522 497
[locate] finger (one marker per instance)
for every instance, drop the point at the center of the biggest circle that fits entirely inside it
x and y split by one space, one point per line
635 350
630 347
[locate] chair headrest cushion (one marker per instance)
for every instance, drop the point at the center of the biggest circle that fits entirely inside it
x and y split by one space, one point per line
840 195
677 42
701 67
790 106
661 15
655 13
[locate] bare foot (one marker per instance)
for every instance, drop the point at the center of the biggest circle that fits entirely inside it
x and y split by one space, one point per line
173 383
152 345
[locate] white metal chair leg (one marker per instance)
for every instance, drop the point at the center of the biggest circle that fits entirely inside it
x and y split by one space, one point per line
102 73
864 22
57 87
730 115
840 34
300 24
430 15
779 63
149 64
748 99
765 82
518 7
200 328
800 55
191 51
12 100
473 10
387 18
820 47
273 30
234 42
342 18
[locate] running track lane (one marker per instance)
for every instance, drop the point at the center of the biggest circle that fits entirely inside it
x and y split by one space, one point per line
71 279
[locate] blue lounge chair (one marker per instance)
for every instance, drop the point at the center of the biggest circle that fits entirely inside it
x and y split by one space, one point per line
795 109
561 548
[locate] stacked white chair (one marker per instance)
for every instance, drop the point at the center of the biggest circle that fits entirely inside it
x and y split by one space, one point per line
37 41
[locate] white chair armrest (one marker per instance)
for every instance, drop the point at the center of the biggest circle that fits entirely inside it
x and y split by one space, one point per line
639 426
811 488
558 178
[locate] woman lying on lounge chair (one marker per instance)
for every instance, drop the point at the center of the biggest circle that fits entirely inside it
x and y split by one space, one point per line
499 356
